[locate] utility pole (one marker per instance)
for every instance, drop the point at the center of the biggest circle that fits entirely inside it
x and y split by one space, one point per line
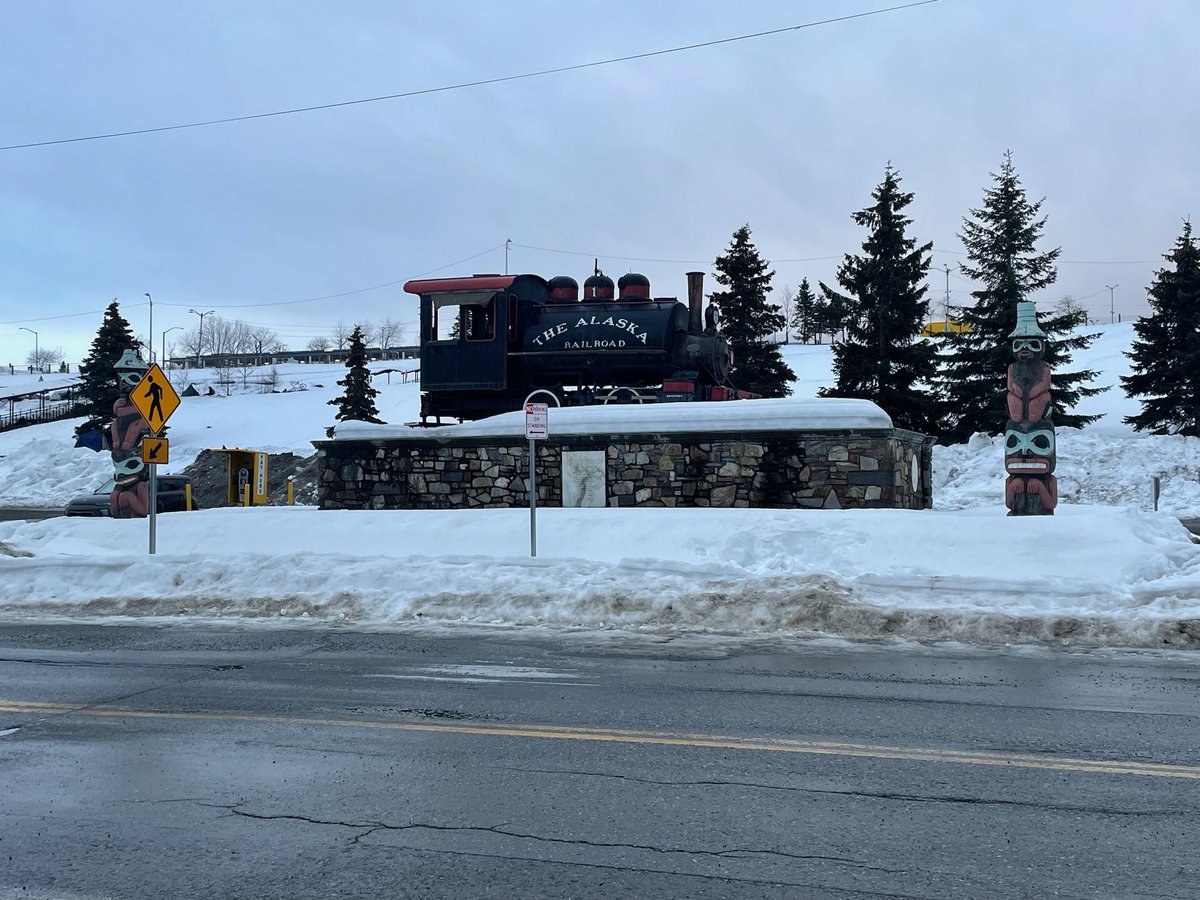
507 244
200 335
150 336
1112 309
946 303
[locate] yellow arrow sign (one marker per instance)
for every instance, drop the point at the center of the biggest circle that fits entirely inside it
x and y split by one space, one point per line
155 398
155 450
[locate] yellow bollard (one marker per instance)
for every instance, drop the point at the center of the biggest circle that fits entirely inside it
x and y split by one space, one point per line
291 490
246 495
187 496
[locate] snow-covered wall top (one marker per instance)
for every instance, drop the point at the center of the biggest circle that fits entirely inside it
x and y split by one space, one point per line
730 416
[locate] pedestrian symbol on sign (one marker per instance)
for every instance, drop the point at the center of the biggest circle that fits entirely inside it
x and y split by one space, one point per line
155 398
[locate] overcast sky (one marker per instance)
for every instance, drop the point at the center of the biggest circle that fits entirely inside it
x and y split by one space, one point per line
648 164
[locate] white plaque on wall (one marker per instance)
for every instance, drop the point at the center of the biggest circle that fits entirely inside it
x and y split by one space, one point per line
583 481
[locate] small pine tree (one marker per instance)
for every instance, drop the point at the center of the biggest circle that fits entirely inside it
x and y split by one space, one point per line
884 358
1001 243
357 401
100 385
749 319
1166 354
804 313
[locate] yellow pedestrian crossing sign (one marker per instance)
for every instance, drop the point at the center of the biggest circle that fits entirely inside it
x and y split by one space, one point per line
155 398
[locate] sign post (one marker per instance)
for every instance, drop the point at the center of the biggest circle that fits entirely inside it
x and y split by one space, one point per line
537 428
156 399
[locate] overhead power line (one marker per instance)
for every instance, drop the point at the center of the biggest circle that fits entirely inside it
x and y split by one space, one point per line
465 84
591 254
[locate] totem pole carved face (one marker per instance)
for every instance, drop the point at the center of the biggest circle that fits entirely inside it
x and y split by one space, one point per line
1029 449
1025 348
130 368
128 469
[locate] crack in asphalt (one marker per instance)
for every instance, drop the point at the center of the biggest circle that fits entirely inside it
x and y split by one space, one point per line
876 795
825 890
370 827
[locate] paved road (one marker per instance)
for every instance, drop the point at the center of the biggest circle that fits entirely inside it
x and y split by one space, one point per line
139 762
30 513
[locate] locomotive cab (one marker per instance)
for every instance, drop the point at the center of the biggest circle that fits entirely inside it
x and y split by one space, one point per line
467 327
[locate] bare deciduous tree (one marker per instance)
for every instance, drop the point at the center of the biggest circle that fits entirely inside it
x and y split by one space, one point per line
44 358
223 335
261 339
190 344
390 333
1069 306
320 344
341 335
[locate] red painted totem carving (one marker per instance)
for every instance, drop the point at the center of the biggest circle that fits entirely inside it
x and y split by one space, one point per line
131 493
1029 451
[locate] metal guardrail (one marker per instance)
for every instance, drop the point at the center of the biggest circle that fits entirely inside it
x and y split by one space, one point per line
51 412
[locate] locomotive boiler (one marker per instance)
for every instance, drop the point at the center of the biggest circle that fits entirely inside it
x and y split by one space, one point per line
488 341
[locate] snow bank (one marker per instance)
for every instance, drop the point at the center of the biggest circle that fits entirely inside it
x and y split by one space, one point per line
1088 577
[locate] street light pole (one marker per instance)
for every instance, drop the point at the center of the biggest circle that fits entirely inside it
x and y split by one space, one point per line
200 336
150 336
163 358
37 356
1112 309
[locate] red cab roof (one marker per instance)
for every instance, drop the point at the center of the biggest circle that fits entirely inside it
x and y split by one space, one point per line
467 283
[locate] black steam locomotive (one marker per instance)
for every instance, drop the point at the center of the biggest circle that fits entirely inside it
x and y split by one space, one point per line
488 341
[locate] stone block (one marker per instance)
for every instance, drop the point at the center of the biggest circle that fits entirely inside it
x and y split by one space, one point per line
868 463
724 496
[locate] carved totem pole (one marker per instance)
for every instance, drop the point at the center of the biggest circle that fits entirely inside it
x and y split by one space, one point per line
131 492
1031 488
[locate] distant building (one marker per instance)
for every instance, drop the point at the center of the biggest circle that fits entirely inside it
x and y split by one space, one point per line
933 329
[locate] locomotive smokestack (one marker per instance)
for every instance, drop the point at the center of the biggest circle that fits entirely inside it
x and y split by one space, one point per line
695 301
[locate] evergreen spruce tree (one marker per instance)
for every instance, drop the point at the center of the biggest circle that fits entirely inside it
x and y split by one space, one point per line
748 319
99 385
357 401
804 323
1001 242
1166 354
884 358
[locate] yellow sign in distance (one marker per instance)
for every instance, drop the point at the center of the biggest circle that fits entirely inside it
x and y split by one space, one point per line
155 450
155 398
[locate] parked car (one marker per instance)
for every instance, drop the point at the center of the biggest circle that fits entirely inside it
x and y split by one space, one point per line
172 497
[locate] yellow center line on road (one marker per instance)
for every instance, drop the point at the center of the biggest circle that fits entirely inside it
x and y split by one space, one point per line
628 736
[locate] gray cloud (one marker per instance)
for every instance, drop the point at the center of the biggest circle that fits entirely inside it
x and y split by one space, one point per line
660 158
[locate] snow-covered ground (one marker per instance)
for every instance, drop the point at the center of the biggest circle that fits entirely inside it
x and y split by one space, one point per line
1104 571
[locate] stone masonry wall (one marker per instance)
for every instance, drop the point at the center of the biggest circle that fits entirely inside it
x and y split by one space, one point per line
829 470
